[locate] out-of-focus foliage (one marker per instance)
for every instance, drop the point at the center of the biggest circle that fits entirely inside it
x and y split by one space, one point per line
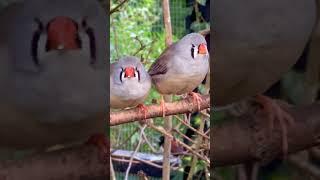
131 28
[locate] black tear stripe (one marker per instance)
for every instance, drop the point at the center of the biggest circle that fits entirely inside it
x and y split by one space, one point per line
93 49
138 74
121 74
192 51
78 40
35 42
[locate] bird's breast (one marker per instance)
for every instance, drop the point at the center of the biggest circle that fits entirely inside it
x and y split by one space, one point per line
177 83
128 94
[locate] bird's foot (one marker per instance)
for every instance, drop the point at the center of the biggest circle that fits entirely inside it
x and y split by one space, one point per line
275 113
143 109
100 140
163 107
196 98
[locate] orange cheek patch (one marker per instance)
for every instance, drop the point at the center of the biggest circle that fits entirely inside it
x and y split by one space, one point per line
202 49
129 72
62 33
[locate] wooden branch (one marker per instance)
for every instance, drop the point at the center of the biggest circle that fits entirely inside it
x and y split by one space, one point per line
235 142
167 21
179 107
81 162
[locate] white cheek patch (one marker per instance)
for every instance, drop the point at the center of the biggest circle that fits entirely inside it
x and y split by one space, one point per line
42 46
85 42
136 75
195 52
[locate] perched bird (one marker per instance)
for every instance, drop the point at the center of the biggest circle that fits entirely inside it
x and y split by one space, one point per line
255 45
53 73
130 84
181 67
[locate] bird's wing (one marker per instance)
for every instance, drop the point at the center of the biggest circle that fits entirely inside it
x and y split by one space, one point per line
160 66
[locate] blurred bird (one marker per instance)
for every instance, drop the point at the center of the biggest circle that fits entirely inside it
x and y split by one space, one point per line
181 67
250 57
53 72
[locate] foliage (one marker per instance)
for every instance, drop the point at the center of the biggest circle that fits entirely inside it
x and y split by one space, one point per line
131 28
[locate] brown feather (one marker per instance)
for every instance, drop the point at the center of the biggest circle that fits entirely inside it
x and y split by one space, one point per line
160 65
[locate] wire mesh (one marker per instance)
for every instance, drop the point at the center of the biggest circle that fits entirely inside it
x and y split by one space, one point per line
183 22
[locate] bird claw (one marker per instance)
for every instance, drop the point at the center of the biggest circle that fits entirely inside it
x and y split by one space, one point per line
163 107
275 112
143 109
197 98
100 141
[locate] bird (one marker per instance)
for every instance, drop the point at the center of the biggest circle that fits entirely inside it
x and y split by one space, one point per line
53 73
181 67
252 51
130 84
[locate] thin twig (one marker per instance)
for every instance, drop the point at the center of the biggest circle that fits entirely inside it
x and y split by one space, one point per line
148 143
160 130
193 151
134 153
197 147
207 172
113 175
117 7
126 140
193 129
164 132
142 46
184 136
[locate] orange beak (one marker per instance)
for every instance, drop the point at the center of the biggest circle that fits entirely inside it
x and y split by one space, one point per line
202 49
62 34
129 72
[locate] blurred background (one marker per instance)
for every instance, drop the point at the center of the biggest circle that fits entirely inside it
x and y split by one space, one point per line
299 86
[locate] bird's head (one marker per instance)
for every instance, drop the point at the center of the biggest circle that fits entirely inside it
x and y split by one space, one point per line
129 69
193 45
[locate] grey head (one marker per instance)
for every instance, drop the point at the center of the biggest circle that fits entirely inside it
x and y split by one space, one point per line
192 46
130 83
58 58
